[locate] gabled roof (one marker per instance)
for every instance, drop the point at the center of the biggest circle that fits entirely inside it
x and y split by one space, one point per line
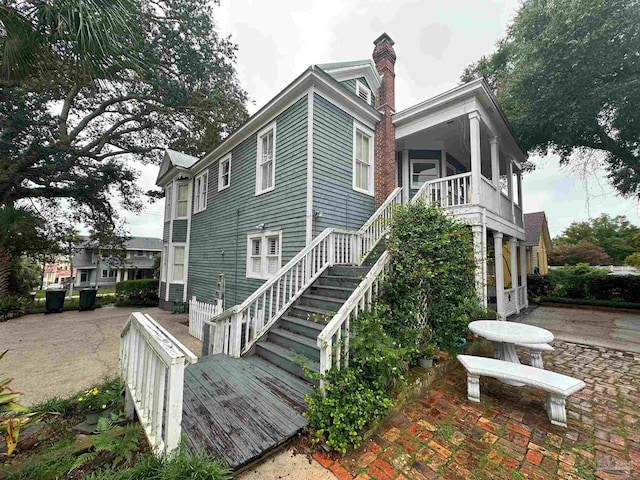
342 71
144 243
535 225
175 159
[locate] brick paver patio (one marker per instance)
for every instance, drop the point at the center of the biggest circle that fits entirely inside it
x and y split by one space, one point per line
508 435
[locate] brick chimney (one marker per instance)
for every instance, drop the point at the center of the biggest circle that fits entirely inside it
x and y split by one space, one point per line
385 149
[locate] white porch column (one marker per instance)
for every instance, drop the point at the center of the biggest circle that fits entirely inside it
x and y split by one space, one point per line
523 272
510 184
519 179
126 274
480 257
406 178
497 246
118 274
495 169
474 145
513 253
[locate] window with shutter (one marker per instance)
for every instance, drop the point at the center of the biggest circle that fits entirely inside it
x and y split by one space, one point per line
263 254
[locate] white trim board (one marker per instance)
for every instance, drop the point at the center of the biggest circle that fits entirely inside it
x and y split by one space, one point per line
309 204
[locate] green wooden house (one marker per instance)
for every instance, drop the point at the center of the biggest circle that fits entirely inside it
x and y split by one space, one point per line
274 228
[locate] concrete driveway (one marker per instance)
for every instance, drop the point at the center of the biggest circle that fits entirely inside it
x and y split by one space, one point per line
59 354
600 328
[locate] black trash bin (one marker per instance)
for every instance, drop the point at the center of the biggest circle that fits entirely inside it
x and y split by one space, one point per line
87 299
54 301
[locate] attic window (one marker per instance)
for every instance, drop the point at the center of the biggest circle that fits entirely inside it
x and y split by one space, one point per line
363 92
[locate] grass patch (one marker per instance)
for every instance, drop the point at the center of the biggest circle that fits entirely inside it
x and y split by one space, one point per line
592 302
76 291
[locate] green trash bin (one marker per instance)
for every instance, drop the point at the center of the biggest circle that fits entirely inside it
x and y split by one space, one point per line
87 299
54 301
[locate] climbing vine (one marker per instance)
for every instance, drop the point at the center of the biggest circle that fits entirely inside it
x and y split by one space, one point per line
428 300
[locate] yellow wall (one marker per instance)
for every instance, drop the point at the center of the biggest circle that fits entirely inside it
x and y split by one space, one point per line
540 258
506 263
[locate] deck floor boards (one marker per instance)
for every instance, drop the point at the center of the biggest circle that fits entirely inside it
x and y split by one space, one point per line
239 409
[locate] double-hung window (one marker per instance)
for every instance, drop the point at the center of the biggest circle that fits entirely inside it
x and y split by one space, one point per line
167 203
224 173
200 194
108 273
363 160
266 161
263 254
178 264
182 200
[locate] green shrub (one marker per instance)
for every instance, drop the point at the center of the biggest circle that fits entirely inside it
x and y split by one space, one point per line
12 306
583 282
137 292
433 275
350 404
538 285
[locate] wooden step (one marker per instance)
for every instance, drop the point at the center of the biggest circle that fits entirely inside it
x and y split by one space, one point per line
283 358
338 281
297 343
319 301
306 312
331 291
298 325
348 271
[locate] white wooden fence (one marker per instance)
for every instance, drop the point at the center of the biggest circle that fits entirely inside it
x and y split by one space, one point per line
198 313
152 363
333 341
237 329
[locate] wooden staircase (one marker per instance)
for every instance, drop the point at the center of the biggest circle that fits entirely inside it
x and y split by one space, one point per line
239 409
295 335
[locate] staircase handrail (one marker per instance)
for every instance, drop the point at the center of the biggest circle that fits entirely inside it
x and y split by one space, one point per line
338 328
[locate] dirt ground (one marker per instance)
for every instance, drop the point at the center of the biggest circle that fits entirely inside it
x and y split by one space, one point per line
59 354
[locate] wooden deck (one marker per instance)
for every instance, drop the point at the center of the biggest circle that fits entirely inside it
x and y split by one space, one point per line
239 409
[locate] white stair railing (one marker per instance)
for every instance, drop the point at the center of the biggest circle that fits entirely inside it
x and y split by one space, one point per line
333 341
152 363
237 329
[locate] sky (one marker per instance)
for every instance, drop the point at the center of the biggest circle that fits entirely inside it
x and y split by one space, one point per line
434 42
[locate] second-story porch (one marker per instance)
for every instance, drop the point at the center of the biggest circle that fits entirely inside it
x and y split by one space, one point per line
457 150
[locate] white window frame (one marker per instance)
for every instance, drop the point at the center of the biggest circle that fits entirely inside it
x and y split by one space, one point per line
361 87
262 133
173 262
175 202
108 275
164 262
200 186
168 207
413 161
223 160
264 238
369 133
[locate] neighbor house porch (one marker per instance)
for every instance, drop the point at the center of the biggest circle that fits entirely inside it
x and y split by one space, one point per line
456 150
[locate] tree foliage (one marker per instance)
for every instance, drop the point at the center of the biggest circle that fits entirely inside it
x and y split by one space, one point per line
89 87
566 75
587 241
581 252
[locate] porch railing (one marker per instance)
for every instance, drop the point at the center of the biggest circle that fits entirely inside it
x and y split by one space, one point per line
333 341
152 364
505 207
517 212
453 191
522 297
237 329
489 195
510 302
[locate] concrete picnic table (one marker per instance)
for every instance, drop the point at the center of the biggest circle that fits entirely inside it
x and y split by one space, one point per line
506 335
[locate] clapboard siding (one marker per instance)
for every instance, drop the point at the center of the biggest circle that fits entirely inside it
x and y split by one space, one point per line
218 239
351 86
176 291
333 194
179 230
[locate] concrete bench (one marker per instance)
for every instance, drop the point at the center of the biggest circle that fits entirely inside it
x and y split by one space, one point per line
535 352
559 386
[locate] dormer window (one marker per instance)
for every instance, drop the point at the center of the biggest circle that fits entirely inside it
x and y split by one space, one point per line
363 92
